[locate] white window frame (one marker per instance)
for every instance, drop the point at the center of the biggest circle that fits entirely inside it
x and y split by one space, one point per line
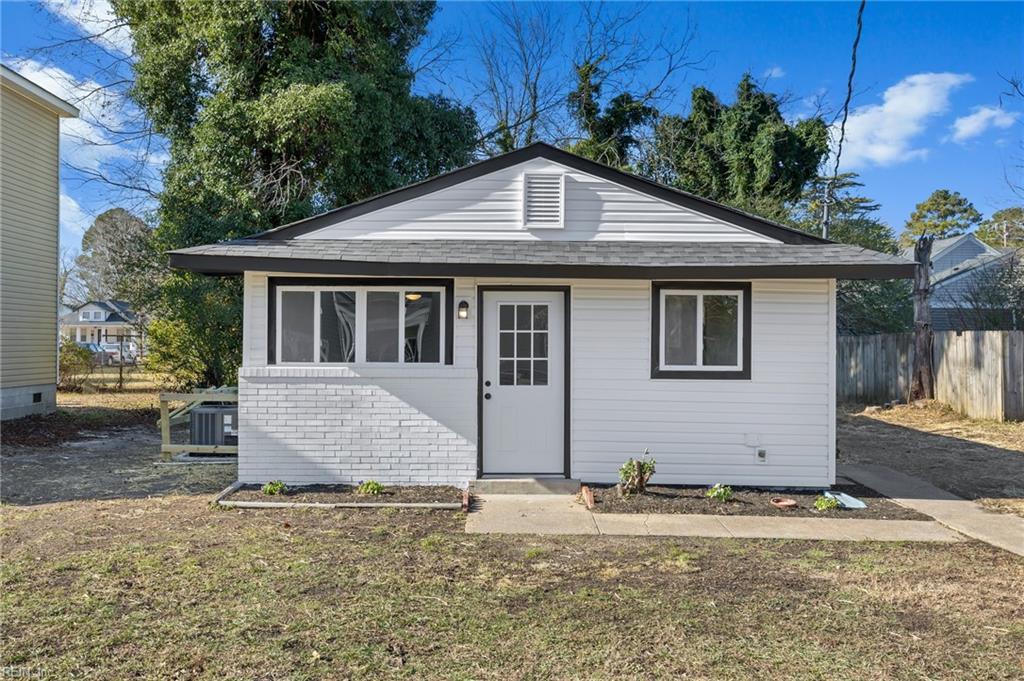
700 366
360 296
561 201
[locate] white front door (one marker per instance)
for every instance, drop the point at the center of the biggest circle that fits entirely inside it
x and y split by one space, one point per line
523 382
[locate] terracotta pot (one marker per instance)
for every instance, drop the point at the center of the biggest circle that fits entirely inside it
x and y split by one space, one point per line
783 503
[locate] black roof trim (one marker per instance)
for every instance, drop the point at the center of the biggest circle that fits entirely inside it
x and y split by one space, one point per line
230 265
678 197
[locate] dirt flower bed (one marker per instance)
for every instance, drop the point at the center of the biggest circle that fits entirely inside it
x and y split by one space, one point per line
344 494
748 501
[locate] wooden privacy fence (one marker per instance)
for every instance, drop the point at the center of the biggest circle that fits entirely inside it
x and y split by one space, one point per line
978 373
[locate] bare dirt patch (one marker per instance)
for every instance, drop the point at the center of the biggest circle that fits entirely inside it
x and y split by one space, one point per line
979 460
79 414
748 501
113 463
174 588
344 494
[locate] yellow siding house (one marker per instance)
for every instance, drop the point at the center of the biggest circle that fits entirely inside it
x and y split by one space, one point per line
29 243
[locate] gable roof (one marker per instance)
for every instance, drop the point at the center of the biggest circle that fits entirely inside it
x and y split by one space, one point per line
759 225
120 311
939 246
37 94
974 264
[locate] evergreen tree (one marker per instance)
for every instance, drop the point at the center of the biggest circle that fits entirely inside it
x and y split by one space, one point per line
1005 229
744 154
943 214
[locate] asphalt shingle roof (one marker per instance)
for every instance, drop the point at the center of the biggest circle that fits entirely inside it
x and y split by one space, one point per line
637 259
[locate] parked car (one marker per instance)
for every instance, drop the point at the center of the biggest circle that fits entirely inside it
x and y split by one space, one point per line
99 355
118 353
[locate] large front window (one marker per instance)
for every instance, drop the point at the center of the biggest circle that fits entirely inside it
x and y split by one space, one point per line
702 331
354 324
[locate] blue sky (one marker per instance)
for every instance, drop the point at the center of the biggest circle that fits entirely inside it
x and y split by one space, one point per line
926 114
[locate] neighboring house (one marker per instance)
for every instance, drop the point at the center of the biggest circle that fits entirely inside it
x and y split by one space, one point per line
102 321
537 314
962 270
29 243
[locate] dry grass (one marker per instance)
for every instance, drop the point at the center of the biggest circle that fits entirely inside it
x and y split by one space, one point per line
79 413
976 459
135 379
172 588
940 419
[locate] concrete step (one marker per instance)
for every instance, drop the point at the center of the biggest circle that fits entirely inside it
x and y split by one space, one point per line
524 486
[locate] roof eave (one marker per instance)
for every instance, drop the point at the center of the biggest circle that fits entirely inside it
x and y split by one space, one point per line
234 265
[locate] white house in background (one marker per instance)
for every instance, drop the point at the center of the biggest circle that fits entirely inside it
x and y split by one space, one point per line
537 314
961 268
101 321
29 243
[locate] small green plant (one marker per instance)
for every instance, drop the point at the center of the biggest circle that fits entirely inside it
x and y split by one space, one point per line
634 475
534 552
719 492
823 503
371 487
274 487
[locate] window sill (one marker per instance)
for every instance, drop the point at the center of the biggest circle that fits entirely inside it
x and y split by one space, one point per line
358 371
726 375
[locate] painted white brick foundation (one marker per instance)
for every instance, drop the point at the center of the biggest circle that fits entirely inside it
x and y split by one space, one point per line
399 426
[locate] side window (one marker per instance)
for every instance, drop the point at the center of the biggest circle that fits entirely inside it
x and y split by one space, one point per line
700 330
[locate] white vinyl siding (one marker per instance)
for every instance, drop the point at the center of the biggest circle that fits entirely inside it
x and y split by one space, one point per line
29 213
491 207
328 424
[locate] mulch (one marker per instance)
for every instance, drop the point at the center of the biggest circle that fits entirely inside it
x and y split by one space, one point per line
340 494
748 501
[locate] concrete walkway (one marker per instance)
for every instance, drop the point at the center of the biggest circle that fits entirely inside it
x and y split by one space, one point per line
561 514
999 529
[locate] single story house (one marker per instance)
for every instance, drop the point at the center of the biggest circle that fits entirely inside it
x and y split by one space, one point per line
101 321
963 272
537 314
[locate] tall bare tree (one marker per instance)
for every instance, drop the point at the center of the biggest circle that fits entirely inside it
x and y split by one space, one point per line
521 91
922 384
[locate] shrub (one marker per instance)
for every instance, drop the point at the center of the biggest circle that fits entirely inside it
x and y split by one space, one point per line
274 487
823 503
634 474
719 492
371 487
75 365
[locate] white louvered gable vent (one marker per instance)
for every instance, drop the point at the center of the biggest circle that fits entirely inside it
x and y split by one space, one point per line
544 200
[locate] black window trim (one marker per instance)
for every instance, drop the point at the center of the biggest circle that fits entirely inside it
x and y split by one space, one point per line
449 307
731 374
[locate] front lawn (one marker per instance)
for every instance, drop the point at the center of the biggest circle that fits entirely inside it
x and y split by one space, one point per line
173 588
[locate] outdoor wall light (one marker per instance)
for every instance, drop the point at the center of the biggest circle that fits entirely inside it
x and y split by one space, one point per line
463 309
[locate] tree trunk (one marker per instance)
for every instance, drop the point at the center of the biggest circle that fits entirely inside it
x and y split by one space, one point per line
923 383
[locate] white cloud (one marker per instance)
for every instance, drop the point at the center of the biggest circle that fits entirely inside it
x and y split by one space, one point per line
85 142
984 117
774 72
73 221
94 18
883 134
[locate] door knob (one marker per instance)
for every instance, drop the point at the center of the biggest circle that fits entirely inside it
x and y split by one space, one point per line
487 396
